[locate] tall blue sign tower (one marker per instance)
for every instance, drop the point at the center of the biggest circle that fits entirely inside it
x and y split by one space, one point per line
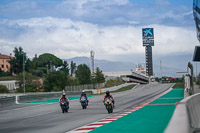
148 42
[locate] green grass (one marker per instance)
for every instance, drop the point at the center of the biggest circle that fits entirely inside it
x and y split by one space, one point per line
124 88
179 85
120 90
111 83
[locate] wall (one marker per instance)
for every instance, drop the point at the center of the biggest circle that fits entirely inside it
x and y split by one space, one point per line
186 117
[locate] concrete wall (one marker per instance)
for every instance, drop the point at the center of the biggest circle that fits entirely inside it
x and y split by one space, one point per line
4 101
11 99
21 98
44 96
186 117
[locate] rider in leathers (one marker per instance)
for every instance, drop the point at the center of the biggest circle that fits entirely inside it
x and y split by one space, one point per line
85 95
64 99
108 95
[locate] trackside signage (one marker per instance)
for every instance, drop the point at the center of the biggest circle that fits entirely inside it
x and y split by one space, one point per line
148 36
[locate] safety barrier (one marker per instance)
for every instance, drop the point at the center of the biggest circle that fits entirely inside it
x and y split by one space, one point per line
43 96
186 117
22 98
7 101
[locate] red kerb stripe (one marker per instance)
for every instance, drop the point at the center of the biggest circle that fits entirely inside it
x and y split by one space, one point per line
90 128
105 120
97 124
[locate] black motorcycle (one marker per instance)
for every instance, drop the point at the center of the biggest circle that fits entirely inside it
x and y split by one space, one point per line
83 101
64 106
108 104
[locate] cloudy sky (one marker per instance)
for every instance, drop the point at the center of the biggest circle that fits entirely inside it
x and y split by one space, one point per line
111 28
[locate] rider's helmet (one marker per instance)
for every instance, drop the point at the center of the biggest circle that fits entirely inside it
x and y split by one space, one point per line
83 92
63 93
107 93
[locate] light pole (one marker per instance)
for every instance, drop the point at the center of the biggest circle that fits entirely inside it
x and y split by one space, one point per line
160 69
92 59
24 74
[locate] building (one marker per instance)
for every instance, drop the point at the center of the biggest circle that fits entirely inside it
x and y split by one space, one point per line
4 62
140 69
12 85
127 77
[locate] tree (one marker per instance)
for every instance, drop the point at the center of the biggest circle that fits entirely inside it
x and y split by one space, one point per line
49 60
55 81
44 64
99 77
28 65
16 63
31 82
72 67
65 67
28 77
83 74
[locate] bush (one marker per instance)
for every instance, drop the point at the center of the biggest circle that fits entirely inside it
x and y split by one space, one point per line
3 74
20 90
8 78
29 88
3 89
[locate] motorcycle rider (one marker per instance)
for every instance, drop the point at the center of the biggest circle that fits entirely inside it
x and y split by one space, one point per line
83 94
108 95
64 98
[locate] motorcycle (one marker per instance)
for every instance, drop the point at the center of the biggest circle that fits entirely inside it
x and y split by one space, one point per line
83 101
108 104
64 106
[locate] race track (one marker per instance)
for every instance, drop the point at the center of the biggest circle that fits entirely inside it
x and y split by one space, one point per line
48 118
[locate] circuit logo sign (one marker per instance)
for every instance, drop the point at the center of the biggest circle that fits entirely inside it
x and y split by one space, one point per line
148 33
148 36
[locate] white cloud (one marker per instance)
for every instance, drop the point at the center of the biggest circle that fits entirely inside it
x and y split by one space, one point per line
102 12
66 38
80 3
133 22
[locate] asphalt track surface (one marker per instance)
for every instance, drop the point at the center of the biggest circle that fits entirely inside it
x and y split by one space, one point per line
48 118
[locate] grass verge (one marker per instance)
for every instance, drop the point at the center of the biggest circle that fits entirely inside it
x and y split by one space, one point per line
111 83
179 85
124 88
